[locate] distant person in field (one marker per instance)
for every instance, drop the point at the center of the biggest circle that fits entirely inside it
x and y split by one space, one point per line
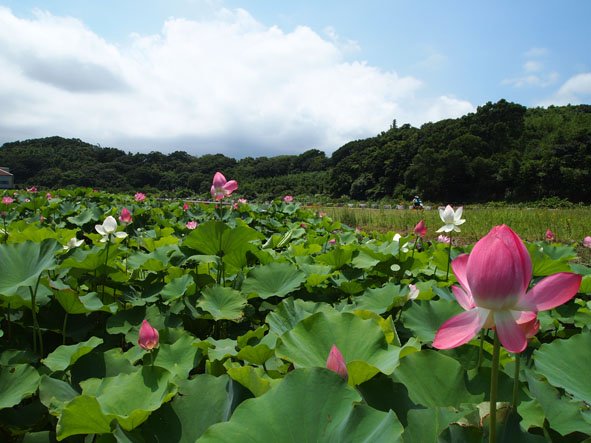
417 203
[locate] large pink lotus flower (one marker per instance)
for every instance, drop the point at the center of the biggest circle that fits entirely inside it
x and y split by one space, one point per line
148 337
192 224
336 363
7 200
221 188
288 198
587 242
421 229
139 196
494 279
125 216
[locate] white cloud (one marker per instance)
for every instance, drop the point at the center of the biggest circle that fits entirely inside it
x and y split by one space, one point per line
536 52
532 66
225 84
534 72
576 90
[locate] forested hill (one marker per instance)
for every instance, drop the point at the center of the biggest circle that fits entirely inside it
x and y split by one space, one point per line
503 151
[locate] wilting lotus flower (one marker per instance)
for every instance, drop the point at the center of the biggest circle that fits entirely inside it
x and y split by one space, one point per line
191 224
7 200
73 243
421 229
109 229
288 199
221 188
148 337
494 279
413 292
550 235
125 216
443 239
186 207
336 363
451 218
587 242
139 196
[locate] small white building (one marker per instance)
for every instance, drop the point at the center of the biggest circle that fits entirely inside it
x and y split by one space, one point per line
6 178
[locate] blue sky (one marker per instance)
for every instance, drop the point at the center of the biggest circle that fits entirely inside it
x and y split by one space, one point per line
246 77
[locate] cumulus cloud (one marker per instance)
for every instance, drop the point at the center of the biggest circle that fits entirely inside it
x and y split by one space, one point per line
226 84
534 72
576 90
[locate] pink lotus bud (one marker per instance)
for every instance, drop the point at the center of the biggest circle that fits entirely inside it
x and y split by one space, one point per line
332 241
125 216
139 196
421 229
148 337
186 207
587 242
336 363
191 224
550 235
288 199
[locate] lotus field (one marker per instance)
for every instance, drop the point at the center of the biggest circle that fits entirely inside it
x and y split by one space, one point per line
131 319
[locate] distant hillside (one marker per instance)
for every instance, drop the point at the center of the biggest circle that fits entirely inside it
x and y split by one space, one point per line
503 151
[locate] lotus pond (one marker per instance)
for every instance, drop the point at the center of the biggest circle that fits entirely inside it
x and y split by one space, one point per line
246 302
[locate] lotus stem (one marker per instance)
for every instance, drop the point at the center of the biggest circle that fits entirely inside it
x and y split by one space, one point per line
480 351
516 382
448 259
36 329
64 329
414 247
494 378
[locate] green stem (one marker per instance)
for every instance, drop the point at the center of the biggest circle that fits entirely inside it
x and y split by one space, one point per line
36 329
414 247
516 382
8 322
5 231
448 258
494 378
481 350
64 329
106 264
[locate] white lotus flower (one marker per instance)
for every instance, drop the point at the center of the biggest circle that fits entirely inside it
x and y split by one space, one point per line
451 218
108 229
73 243
413 292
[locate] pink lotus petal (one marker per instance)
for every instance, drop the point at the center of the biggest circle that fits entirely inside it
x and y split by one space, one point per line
512 336
458 266
460 329
465 300
230 186
148 337
336 362
550 292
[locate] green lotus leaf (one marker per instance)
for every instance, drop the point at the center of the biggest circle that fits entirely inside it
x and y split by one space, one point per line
55 394
563 363
290 312
274 279
202 402
222 303
251 378
177 288
16 383
66 355
380 300
86 216
309 342
337 258
434 380
21 264
423 318
156 261
308 405
425 425
178 358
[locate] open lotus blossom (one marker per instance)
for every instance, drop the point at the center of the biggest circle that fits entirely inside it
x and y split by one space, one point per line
125 216
221 188
451 218
587 242
443 239
288 198
7 200
421 229
242 201
32 189
550 235
148 337
191 224
109 229
73 243
336 363
413 292
139 197
494 279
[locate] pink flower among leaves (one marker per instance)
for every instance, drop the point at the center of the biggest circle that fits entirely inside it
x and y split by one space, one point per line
494 280
288 198
48 196
186 207
550 235
148 337
443 239
587 242
139 197
191 224
125 216
221 188
421 229
336 363
7 200
32 189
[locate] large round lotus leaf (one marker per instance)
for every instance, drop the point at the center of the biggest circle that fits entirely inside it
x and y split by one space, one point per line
274 279
566 363
290 312
66 355
433 379
222 303
309 405
21 264
362 343
17 382
423 318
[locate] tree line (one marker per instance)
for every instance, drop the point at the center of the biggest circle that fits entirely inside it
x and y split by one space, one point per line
502 152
